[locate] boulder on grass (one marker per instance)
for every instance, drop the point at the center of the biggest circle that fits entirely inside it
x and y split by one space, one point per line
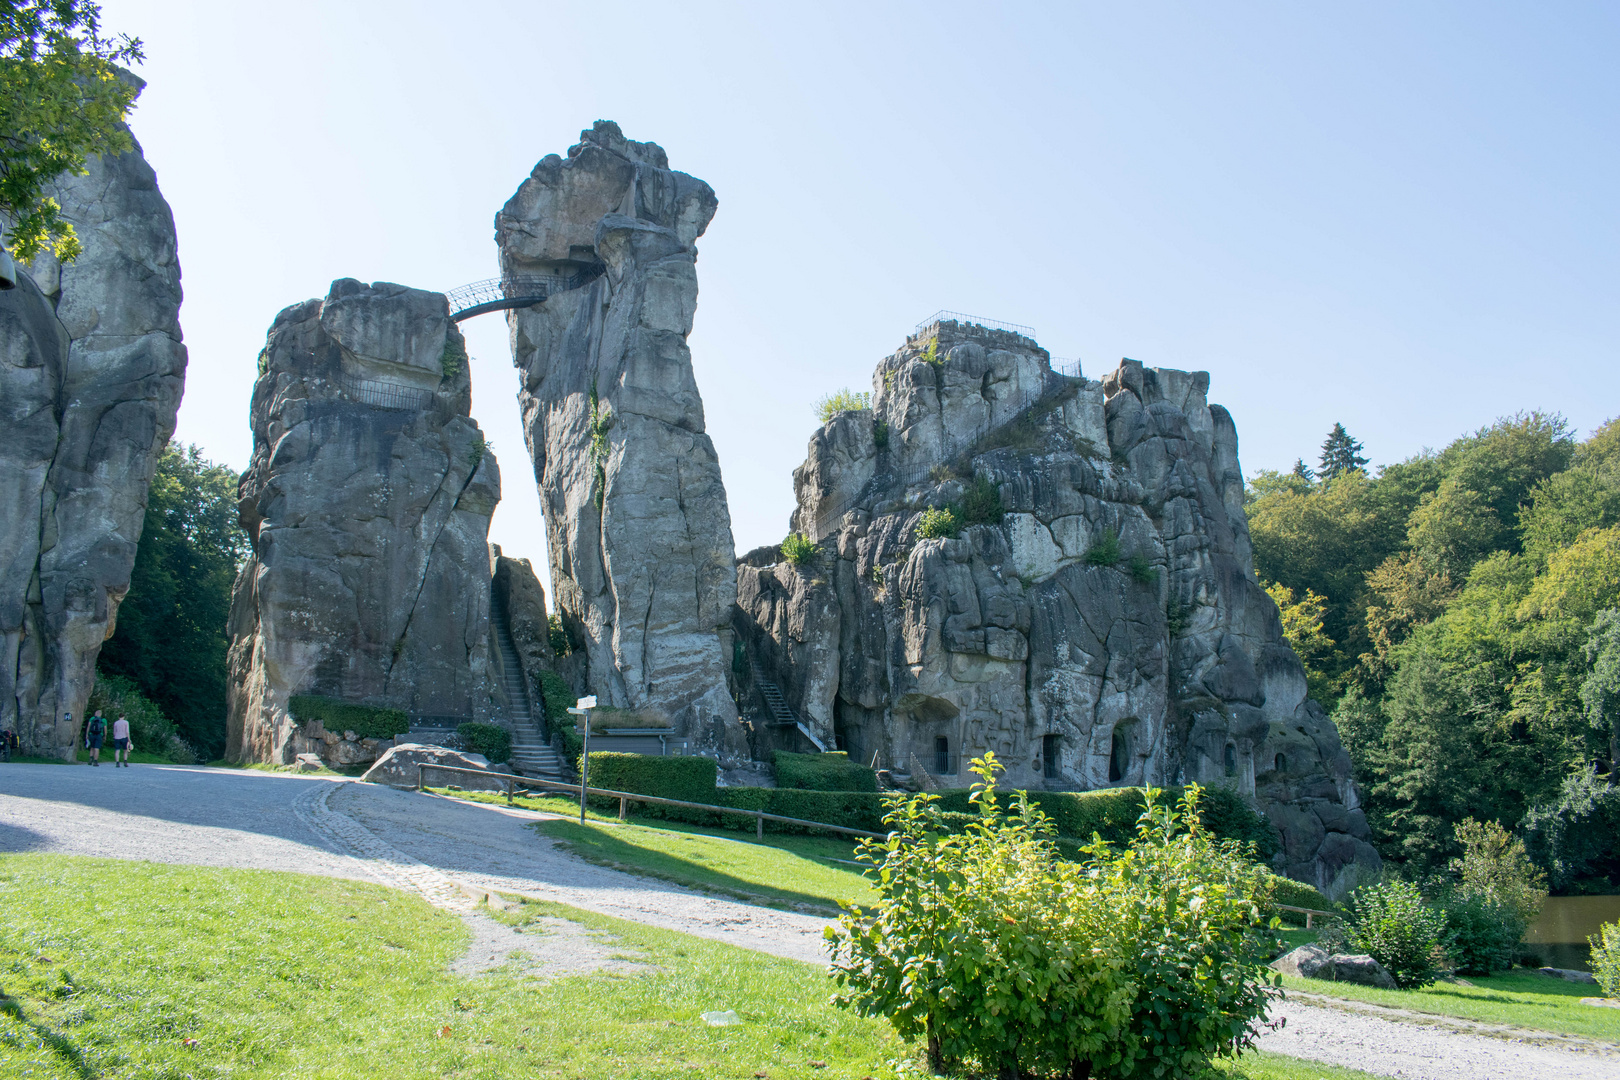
1314 962
1307 962
401 767
1569 975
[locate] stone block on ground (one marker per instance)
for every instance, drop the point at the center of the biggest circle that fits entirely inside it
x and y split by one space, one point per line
1314 962
1569 975
401 767
309 763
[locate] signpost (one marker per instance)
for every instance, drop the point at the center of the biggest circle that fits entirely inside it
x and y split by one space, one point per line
583 708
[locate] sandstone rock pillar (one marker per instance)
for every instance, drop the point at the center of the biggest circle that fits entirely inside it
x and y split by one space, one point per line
368 503
638 528
91 372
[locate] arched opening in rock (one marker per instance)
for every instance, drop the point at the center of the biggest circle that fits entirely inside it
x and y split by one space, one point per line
942 755
1051 756
1281 763
1231 759
1119 755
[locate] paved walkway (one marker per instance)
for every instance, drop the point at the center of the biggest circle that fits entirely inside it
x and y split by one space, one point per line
449 850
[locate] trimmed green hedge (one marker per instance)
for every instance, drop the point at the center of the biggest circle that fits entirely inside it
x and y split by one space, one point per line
1112 812
366 721
822 772
1298 894
491 740
688 778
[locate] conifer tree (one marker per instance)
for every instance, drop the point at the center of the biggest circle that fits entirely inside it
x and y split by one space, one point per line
1340 454
1303 471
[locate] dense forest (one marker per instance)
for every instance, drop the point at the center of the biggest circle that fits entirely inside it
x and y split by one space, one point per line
1459 614
170 642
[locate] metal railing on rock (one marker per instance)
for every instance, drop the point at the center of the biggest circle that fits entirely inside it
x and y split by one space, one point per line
627 797
386 395
508 293
989 324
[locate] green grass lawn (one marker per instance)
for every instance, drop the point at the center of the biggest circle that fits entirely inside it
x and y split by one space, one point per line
1263 1066
107 968
1519 997
811 873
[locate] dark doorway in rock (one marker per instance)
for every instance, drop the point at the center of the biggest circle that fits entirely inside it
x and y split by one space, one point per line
1119 753
1051 760
942 756
1231 760
1281 763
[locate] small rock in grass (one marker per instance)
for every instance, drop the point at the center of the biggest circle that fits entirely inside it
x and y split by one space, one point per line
727 1018
1607 1003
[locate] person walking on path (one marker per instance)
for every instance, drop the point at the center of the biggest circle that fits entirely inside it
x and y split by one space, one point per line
121 747
95 730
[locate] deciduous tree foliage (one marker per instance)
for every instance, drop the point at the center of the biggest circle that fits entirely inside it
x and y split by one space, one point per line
1468 591
62 99
170 640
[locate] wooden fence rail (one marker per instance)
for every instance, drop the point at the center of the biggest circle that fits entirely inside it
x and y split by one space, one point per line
627 797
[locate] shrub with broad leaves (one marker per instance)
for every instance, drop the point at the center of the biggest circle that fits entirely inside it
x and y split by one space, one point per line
1146 961
1390 922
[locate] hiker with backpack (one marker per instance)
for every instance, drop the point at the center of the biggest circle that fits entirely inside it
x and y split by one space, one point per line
95 730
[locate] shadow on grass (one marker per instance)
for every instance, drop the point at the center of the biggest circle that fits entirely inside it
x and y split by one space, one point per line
60 1044
601 847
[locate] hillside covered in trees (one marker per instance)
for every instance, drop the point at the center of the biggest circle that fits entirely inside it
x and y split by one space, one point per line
1459 612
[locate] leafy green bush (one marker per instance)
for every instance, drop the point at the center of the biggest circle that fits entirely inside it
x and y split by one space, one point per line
981 503
1482 932
798 549
936 523
366 721
1105 550
1606 958
845 400
1390 922
880 433
1142 572
149 729
557 635
557 697
1494 864
822 772
1147 961
491 740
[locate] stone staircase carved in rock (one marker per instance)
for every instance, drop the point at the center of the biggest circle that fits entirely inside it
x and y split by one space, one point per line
777 706
532 755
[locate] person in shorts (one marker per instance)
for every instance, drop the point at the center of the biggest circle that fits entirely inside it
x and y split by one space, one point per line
121 742
95 730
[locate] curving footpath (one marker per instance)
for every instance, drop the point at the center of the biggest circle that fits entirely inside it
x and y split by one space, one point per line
451 852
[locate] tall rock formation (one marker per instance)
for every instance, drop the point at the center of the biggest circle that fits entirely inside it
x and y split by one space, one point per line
638 529
91 371
1099 625
368 503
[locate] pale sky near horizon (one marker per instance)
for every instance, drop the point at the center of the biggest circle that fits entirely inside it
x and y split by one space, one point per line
1400 217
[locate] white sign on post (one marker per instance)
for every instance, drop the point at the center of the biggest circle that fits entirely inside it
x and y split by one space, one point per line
583 708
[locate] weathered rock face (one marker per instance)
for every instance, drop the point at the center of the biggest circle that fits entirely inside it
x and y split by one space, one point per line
368 503
1102 627
91 372
637 524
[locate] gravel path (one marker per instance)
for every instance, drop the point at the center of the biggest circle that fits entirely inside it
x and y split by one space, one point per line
452 852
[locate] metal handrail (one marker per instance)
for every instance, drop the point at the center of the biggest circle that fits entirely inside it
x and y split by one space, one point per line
988 324
380 394
507 293
626 797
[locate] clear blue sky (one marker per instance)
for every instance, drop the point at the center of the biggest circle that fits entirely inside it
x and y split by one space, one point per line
1401 217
